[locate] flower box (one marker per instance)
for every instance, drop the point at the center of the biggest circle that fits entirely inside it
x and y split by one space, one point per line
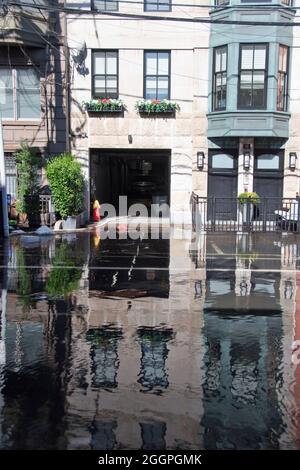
105 105
156 107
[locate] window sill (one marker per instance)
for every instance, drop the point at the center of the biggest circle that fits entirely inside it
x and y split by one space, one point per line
12 122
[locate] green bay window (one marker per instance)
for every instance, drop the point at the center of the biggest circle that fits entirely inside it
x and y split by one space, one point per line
252 92
105 74
282 79
220 78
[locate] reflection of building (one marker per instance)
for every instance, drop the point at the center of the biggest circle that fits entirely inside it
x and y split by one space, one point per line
249 315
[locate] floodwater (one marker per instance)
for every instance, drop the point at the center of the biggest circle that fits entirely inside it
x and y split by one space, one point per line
150 344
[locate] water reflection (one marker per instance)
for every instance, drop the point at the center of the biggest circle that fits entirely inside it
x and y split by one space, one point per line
154 344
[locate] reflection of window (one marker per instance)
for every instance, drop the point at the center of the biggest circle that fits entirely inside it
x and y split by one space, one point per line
153 435
157 75
104 353
220 78
155 351
253 76
104 437
19 93
219 286
10 174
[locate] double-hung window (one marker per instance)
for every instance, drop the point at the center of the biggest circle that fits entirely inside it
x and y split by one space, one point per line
282 79
19 93
157 75
105 5
157 5
252 93
105 74
220 78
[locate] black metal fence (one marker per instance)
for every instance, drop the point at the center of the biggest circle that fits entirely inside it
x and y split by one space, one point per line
229 215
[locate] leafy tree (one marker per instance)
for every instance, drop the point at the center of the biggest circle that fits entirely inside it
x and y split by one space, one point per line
67 184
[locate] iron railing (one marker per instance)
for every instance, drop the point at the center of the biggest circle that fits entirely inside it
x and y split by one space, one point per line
218 214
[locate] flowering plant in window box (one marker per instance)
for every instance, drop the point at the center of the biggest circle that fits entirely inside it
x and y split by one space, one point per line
156 106
99 105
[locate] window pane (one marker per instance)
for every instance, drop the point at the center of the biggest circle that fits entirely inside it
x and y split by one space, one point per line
28 94
163 5
151 5
110 5
222 160
99 84
258 89
247 57
260 57
218 60
111 87
268 162
28 104
99 62
111 63
245 89
27 78
151 88
163 63
283 58
151 63
163 85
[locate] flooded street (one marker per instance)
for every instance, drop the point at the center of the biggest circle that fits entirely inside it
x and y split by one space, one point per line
150 344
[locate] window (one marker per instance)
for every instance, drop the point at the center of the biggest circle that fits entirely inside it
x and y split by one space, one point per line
157 5
222 160
105 74
157 75
19 93
219 3
10 174
220 78
282 79
267 161
253 76
105 5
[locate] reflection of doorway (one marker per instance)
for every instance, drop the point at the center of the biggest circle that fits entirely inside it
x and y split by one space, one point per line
222 184
268 178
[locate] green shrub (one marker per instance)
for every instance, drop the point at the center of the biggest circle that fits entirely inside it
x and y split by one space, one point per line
248 197
67 184
28 164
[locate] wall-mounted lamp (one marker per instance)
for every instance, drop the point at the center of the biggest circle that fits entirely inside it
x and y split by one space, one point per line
130 139
200 160
246 163
292 160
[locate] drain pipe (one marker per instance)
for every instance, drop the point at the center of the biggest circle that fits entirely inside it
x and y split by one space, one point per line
3 185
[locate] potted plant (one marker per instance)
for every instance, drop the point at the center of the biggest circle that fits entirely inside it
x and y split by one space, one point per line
249 209
98 105
29 165
67 187
156 106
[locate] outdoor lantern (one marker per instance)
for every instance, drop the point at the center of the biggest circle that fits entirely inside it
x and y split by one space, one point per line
200 160
198 289
130 139
246 160
292 160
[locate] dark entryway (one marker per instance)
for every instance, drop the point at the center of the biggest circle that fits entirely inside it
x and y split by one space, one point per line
222 183
268 177
141 175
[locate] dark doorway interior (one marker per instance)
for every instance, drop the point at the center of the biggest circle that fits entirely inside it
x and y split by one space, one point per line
222 184
141 175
